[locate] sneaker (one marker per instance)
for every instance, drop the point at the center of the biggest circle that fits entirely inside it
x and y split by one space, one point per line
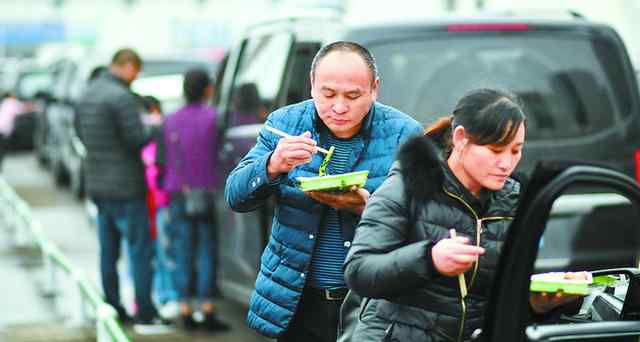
213 323
153 326
169 311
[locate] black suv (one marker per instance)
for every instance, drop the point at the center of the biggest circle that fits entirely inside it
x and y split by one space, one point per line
574 77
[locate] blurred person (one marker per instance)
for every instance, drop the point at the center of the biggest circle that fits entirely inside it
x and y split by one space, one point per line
247 105
158 208
10 108
405 256
110 128
153 111
97 72
300 286
190 148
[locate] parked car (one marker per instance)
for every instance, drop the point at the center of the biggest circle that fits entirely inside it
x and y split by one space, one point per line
29 83
574 77
604 238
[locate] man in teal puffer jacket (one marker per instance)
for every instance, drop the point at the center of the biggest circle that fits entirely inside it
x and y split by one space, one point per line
301 286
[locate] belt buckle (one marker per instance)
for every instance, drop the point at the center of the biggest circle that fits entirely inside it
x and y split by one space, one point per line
329 294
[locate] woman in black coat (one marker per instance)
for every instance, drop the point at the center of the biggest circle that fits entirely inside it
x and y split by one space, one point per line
427 245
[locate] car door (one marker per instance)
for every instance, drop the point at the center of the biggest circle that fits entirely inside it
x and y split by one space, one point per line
251 86
557 230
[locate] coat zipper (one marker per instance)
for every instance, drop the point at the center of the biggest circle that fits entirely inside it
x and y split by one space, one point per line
479 221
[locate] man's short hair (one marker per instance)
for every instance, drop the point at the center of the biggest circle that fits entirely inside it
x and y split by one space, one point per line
125 56
346 47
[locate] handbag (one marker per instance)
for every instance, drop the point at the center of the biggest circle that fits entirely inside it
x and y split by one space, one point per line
198 204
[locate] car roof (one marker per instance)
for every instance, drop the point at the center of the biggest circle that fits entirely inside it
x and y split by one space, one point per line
311 27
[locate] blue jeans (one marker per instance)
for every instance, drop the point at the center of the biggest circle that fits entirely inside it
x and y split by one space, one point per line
163 281
118 219
195 248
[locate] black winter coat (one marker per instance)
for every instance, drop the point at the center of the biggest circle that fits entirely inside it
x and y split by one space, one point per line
110 127
390 258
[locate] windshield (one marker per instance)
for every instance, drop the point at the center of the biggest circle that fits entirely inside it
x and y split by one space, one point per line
565 90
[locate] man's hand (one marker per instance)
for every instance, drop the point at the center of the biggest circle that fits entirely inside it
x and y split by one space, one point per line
289 153
353 200
454 256
542 302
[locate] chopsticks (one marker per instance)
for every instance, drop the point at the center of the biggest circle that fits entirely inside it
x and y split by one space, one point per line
461 279
286 135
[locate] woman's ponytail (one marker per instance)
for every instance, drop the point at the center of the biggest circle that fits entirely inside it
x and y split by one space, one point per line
440 133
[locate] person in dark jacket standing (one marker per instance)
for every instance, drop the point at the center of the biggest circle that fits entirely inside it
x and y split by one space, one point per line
110 127
428 243
300 286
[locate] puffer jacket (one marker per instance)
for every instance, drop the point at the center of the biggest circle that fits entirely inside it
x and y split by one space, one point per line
390 258
110 127
297 218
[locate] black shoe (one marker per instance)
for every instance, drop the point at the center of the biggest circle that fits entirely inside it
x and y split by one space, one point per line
188 323
125 319
212 323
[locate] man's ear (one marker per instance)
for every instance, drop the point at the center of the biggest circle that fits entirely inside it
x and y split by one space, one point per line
374 88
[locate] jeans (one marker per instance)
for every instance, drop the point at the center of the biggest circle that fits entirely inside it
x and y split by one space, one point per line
118 219
163 281
195 249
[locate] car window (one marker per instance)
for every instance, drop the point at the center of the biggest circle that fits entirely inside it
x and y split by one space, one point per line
567 92
596 233
258 79
298 84
29 84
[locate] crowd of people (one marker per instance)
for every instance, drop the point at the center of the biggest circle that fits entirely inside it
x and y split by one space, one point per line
410 256
141 170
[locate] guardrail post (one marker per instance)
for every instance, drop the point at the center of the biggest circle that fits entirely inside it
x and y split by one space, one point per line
80 315
51 286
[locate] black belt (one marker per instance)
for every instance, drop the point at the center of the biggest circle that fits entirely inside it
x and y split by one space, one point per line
332 294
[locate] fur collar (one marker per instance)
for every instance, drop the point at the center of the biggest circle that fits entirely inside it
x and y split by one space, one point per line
421 168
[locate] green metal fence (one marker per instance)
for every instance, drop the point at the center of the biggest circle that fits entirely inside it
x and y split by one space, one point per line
18 213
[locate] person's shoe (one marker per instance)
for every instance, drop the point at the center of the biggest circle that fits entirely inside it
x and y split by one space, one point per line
213 324
125 319
152 326
169 311
188 323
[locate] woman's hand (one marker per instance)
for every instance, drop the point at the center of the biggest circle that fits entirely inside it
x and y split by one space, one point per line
454 256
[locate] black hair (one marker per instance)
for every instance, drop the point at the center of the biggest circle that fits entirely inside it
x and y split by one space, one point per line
345 46
151 101
126 55
195 83
489 117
